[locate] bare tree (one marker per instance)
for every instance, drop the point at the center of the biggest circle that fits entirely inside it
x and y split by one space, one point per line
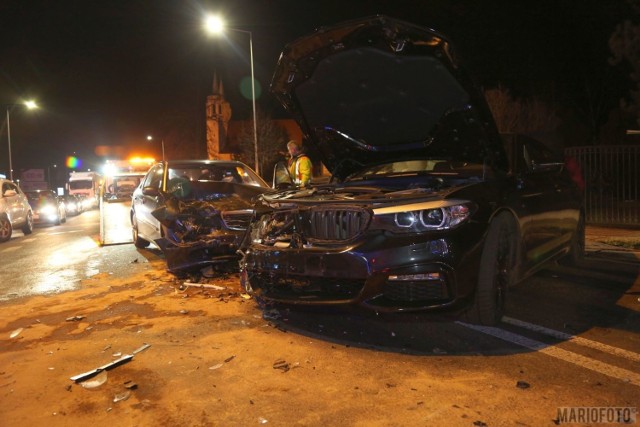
272 140
624 44
514 115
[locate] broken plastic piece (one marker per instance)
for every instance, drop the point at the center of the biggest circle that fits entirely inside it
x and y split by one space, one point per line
216 366
74 318
96 381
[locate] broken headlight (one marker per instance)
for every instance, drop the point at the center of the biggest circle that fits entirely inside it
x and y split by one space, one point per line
419 217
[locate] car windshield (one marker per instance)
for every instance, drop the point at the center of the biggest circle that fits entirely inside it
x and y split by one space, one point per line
233 173
440 167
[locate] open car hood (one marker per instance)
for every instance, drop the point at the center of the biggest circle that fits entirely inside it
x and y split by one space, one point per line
378 89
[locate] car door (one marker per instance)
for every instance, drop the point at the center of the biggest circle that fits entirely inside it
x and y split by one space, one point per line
552 209
15 202
146 199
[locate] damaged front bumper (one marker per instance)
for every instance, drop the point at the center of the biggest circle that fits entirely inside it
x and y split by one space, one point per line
197 235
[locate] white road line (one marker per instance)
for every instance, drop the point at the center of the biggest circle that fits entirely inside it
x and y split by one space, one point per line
567 356
576 340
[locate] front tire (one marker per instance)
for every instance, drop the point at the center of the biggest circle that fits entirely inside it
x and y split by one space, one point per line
497 272
138 241
577 246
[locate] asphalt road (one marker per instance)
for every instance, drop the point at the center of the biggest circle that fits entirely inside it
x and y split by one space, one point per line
55 258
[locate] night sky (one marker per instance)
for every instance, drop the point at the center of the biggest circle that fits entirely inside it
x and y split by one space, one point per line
108 73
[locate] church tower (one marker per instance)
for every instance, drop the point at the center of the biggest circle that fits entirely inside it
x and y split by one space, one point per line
218 116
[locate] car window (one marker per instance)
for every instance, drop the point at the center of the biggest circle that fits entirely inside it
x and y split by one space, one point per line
154 177
6 186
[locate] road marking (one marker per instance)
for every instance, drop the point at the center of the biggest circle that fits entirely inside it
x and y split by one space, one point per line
577 340
565 355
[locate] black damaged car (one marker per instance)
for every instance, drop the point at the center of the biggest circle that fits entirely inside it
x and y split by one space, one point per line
196 211
428 208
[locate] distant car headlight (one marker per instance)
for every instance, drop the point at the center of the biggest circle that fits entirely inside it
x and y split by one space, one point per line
418 217
48 210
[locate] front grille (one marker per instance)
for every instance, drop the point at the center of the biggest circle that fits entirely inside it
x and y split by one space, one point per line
336 223
416 291
237 220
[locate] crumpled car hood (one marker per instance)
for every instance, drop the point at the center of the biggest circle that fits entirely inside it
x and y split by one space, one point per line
206 231
378 89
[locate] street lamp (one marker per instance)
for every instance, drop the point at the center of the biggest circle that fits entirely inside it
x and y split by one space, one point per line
30 106
215 25
150 138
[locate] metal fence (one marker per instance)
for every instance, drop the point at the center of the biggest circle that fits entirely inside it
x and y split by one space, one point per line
612 183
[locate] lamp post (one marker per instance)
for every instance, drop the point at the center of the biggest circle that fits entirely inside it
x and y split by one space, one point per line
49 175
150 138
30 105
215 25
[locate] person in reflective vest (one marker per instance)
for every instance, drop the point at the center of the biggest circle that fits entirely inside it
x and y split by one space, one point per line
299 165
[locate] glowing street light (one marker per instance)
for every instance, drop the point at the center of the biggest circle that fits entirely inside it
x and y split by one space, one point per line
215 25
150 138
30 106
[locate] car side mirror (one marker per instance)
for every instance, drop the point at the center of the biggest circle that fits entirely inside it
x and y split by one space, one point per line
281 177
10 193
150 191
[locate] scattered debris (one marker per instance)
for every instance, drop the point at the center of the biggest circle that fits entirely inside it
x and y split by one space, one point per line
75 318
245 296
219 365
203 285
480 424
281 364
183 311
118 354
130 385
262 420
106 348
229 359
272 314
522 384
96 381
16 333
124 359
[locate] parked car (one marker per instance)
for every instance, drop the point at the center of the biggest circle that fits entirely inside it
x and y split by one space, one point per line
15 210
196 211
73 204
428 208
47 207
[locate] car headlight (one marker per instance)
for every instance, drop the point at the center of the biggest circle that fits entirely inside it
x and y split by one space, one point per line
419 217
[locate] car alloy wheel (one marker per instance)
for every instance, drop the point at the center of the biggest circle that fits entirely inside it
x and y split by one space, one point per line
5 229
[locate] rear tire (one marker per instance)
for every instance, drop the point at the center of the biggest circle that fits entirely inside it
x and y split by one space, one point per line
497 272
138 241
6 230
27 228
